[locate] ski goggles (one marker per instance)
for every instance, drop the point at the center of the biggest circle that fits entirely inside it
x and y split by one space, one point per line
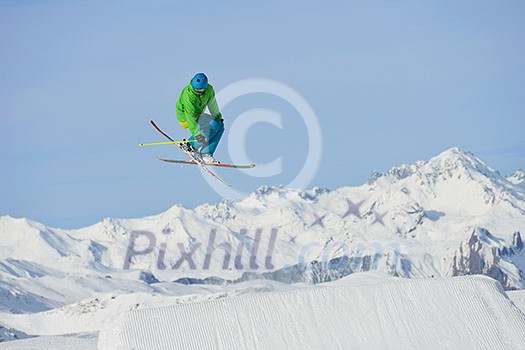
199 91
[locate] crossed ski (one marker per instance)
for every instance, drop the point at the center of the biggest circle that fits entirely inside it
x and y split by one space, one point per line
196 161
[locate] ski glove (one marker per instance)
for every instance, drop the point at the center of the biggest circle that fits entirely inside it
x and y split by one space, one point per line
200 138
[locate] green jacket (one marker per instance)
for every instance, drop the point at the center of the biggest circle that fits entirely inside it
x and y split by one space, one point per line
190 106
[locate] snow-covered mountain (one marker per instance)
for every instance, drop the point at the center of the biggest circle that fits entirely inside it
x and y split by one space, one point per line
518 178
452 215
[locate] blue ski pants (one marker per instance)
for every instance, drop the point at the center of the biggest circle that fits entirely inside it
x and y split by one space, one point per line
212 130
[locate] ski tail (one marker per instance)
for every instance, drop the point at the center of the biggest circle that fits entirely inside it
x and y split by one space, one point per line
162 132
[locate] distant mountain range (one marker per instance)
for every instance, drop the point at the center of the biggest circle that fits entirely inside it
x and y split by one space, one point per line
452 215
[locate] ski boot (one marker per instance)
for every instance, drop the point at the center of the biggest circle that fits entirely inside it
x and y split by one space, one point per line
207 158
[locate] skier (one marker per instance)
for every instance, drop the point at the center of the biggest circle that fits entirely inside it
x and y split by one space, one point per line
205 129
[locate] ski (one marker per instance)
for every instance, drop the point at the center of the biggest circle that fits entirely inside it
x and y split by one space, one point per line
202 165
224 165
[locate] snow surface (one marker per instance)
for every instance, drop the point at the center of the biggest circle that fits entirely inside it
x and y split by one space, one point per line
362 286
518 298
456 313
87 341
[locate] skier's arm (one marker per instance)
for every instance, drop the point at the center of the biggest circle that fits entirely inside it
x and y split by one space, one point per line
213 106
191 115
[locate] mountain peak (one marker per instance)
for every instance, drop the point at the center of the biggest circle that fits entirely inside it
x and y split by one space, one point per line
456 156
518 177
456 151
452 163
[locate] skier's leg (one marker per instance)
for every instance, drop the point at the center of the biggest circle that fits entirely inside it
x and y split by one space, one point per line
204 125
216 131
212 130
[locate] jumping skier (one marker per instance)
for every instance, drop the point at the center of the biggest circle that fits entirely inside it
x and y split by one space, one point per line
206 129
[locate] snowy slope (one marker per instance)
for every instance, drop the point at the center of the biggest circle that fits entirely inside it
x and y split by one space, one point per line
95 313
364 282
87 341
518 298
452 215
457 313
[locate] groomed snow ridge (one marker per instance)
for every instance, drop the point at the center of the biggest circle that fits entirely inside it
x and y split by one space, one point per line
454 313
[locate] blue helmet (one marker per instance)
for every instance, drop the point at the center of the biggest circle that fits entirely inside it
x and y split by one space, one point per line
199 81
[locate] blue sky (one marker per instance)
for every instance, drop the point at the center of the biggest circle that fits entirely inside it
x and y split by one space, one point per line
391 82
